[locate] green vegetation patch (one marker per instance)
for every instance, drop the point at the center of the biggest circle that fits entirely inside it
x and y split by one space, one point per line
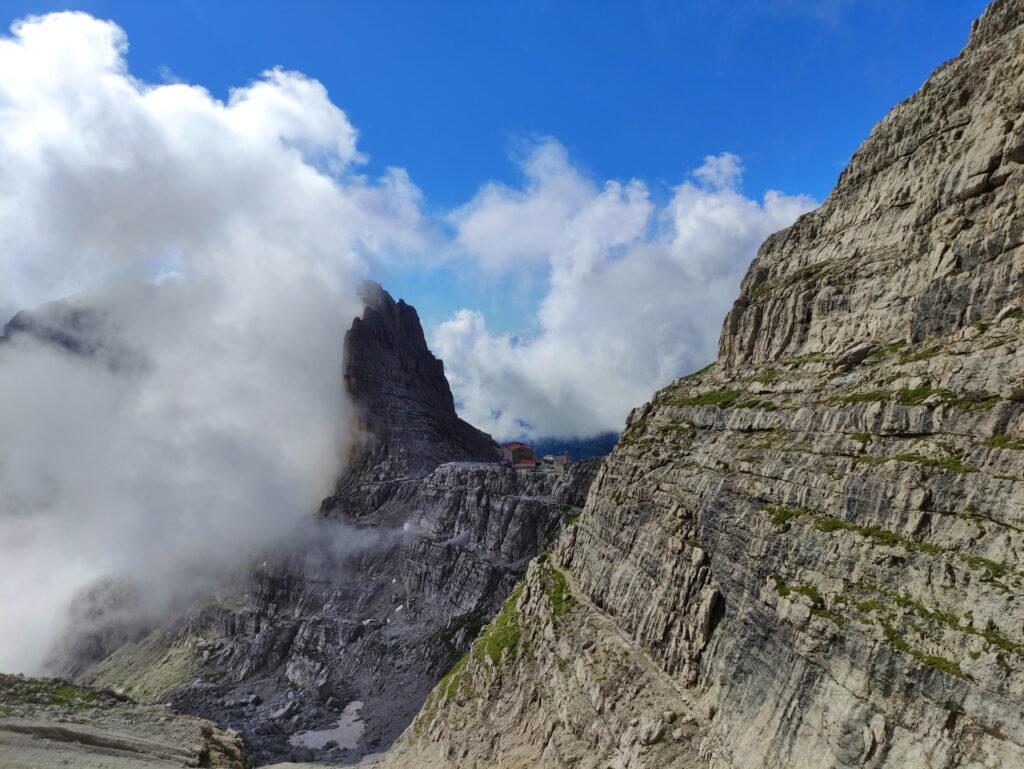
18 693
722 398
953 462
925 354
865 397
951 620
502 636
915 396
782 514
879 536
454 679
780 585
934 661
1005 442
768 377
45 692
888 350
995 569
677 427
558 593
817 601
757 403
829 615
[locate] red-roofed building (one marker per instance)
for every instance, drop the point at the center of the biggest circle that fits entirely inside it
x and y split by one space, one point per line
519 455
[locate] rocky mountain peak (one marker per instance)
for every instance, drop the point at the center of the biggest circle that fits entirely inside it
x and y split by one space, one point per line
420 546
908 245
406 423
388 367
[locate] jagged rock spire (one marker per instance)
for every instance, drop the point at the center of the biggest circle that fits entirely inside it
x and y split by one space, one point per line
406 423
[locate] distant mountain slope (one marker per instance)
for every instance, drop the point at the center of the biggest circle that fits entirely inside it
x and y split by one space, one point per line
811 554
419 547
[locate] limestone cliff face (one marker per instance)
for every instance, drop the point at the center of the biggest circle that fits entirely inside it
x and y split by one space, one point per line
811 553
418 549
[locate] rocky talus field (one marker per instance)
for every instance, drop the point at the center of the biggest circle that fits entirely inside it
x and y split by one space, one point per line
809 554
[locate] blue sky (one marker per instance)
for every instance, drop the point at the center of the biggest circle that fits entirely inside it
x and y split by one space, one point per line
644 89
465 96
632 89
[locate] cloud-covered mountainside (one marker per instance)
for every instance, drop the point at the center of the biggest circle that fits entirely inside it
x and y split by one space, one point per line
221 241
207 251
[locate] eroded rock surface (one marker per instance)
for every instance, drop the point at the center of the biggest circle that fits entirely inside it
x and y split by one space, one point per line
809 554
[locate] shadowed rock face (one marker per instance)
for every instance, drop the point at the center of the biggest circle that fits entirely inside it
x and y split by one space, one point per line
402 395
75 326
810 554
424 540
406 420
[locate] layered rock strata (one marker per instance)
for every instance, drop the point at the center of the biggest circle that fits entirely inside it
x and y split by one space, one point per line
809 554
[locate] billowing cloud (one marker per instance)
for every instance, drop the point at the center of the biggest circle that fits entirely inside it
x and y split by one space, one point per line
215 246
506 229
636 291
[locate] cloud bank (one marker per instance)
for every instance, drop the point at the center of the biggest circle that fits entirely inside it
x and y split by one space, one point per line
215 247
635 294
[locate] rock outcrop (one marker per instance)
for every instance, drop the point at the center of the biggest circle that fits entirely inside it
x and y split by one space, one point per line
809 554
423 541
51 724
406 420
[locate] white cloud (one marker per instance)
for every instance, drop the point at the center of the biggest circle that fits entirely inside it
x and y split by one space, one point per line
720 171
507 229
223 240
636 292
